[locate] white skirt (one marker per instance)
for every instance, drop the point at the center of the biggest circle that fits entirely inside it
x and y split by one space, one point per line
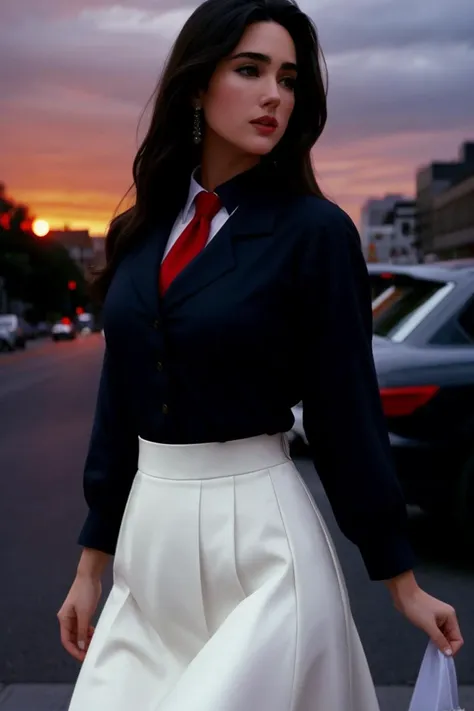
227 595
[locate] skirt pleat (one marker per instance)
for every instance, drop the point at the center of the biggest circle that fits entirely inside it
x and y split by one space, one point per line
228 594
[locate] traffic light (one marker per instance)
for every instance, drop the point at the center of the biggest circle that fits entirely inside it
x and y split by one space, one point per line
72 286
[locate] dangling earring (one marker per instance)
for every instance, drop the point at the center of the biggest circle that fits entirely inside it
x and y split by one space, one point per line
197 128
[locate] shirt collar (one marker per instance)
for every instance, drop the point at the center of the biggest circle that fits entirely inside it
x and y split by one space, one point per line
231 192
194 189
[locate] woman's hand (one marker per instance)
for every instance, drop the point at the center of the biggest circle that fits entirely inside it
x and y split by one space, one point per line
436 618
76 613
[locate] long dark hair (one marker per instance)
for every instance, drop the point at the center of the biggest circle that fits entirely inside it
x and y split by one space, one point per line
167 155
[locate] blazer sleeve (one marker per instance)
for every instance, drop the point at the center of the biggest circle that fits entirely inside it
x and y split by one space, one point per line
342 412
111 463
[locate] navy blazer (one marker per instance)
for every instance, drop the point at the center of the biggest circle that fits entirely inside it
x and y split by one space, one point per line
275 310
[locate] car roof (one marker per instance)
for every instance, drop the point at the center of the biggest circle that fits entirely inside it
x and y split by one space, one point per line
437 271
465 263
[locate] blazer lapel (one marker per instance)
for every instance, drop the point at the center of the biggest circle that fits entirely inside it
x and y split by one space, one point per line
218 257
145 265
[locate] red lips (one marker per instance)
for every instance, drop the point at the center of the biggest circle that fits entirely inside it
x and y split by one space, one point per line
267 121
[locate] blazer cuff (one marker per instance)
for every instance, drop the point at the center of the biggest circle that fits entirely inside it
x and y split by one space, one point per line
386 557
99 532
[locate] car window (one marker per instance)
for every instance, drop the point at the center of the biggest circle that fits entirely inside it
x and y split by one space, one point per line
404 304
379 283
466 320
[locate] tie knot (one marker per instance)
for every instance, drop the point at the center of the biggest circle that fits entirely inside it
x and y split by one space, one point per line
207 205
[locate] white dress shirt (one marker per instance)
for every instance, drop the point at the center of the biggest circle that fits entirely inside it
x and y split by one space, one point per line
187 214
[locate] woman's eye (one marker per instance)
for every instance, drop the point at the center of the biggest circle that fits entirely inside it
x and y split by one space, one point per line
289 82
248 71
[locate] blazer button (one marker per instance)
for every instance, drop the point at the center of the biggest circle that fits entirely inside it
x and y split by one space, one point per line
165 409
159 365
156 324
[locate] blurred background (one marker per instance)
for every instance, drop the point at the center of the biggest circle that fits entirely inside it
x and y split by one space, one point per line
397 155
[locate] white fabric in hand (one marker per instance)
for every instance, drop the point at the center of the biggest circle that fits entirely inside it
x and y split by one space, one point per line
436 688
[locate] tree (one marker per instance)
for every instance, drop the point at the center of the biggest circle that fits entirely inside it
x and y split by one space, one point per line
36 271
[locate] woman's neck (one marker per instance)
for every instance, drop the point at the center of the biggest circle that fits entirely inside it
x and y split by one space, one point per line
218 166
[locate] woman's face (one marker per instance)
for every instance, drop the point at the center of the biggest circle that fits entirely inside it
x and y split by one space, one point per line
250 98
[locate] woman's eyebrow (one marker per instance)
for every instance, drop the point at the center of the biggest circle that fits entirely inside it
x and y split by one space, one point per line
259 57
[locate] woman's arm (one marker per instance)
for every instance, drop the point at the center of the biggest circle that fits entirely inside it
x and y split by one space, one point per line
111 463
345 424
92 563
342 412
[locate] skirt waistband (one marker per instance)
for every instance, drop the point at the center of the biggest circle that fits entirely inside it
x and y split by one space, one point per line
212 459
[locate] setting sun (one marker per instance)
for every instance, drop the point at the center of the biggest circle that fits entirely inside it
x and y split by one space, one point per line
40 228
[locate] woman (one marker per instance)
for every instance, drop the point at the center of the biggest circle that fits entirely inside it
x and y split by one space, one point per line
233 291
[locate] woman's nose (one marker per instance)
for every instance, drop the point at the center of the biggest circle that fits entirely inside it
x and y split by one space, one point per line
271 93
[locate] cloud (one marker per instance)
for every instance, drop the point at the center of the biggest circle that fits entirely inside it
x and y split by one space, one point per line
75 76
375 85
368 25
102 52
31 10
131 21
388 91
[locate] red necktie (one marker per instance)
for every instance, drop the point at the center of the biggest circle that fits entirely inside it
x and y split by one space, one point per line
192 240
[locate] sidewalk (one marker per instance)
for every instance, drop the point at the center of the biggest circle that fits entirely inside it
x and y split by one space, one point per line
55 697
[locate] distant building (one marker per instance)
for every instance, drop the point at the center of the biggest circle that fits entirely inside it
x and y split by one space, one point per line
373 214
98 246
431 182
388 230
404 248
453 220
78 243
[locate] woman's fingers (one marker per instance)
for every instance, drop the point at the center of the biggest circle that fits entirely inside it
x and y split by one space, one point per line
452 632
82 626
439 639
68 631
436 618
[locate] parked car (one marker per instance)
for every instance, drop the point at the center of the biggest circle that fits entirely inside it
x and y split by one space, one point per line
64 330
85 323
456 263
16 327
7 341
43 329
424 355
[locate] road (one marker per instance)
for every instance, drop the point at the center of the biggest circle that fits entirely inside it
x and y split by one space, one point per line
47 397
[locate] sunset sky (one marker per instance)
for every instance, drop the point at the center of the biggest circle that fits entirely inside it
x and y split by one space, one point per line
76 74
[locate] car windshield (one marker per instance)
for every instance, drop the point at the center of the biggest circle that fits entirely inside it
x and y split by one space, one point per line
6 322
404 303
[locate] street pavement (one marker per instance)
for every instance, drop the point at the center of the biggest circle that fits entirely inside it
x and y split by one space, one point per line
47 395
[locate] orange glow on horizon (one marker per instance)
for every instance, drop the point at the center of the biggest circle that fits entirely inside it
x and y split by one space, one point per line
75 209
343 175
